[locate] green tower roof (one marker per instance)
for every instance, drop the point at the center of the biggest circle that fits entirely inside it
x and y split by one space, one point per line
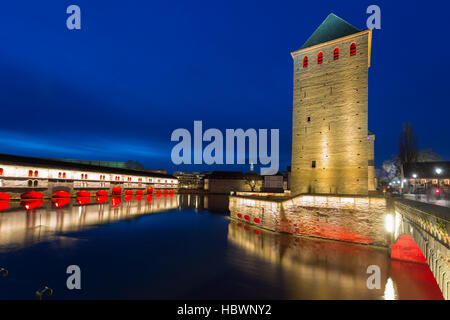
331 28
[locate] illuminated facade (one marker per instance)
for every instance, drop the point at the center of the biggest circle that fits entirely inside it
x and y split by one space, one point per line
19 175
332 149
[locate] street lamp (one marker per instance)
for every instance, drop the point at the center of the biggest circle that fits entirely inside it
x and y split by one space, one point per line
438 171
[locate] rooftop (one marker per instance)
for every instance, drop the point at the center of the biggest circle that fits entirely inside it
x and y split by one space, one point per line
331 28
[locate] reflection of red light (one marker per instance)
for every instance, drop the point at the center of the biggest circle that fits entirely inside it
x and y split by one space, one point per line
149 198
139 197
257 220
83 193
102 193
247 228
437 191
129 192
83 200
61 194
32 195
239 215
128 198
239 225
116 201
139 192
32 204
4 196
117 190
60 202
101 200
4 204
149 190
158 191
166 191
258 232
172 191
158 195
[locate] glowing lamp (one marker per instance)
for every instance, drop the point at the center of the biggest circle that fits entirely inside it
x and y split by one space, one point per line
437 191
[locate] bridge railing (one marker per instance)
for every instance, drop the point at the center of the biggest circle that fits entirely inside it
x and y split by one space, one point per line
429 226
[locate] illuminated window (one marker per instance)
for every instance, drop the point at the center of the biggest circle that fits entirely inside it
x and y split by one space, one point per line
353 49
319 58
36 173
85 176
64 174
313 164
336 53
30 173
59 175
446 181
423 181
82 176
305 62
1 171
435 181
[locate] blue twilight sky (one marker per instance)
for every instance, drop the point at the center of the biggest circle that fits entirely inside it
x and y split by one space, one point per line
137 70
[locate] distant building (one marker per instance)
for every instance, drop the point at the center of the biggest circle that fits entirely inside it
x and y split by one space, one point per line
332 149
273 183
227 181
190 180
423 176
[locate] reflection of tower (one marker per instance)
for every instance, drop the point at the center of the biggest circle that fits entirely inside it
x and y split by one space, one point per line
330 145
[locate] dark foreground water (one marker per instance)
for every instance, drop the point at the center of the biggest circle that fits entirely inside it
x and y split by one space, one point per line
184 247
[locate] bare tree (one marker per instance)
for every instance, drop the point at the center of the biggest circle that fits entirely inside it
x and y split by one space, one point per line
407 147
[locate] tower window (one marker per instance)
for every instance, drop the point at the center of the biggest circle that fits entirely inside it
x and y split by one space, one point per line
319 57
30 173
336 53
1 171
308 119
305 62
36 173
313 164
64 174
353 49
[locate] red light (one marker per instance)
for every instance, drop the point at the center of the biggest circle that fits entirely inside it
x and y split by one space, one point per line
257 220
239 216
247 218
437 191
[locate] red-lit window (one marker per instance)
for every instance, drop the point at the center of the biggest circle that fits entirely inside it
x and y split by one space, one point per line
64 174
59 175
305 62
36 173
336 53
85 176
319 58
353 49
30 173
82 176
1 171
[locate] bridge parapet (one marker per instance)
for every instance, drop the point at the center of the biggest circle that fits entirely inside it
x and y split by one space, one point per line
429 226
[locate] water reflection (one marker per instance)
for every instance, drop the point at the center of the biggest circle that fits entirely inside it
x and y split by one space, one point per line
319 269
29 221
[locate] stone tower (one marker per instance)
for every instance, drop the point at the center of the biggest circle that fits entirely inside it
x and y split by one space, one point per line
331 145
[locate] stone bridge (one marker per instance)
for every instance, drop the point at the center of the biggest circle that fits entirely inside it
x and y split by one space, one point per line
413 231
421 234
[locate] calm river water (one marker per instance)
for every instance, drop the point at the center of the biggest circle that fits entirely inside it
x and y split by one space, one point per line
183 247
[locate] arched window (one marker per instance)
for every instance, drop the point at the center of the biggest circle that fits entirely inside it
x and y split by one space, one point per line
36 173
305 62
336 53
353 49
320 57
35 183
30 183
30 173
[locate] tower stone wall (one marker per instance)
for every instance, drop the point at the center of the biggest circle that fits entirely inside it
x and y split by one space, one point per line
330 145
